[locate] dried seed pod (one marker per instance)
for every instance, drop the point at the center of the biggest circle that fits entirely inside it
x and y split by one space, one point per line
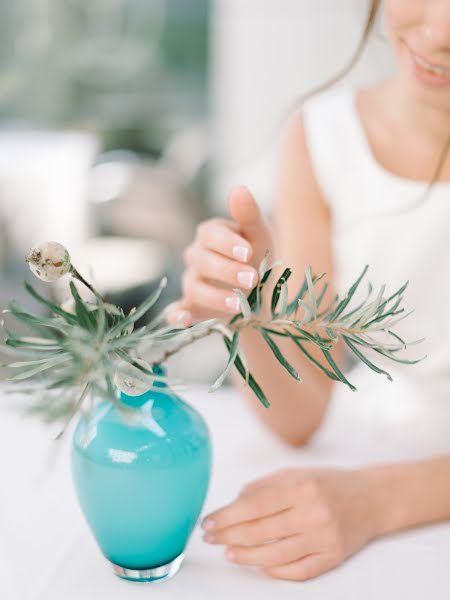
49 261
131 380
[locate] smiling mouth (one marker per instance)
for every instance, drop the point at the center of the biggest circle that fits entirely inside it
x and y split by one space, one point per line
438 70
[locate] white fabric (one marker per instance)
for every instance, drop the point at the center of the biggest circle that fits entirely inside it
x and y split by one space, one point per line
48 553
377 221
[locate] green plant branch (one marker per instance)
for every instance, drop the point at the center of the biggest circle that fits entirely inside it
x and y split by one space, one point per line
85 350
76 275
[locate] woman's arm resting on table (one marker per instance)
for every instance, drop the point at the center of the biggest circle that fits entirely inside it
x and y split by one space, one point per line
410 494
316 518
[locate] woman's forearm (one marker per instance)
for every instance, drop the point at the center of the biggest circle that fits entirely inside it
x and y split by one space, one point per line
296 408
409 494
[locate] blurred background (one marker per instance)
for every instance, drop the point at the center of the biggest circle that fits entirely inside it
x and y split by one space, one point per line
124 123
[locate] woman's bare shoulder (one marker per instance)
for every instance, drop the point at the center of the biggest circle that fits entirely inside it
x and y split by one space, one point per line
297 178
300 211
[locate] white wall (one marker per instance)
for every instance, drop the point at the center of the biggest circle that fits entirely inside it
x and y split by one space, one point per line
264 54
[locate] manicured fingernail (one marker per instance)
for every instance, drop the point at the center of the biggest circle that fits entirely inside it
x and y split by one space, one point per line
208 524
246 278
233 303
184 317
209 538
229 554
241 253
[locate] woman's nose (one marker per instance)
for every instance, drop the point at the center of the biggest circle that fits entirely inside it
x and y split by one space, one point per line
437 24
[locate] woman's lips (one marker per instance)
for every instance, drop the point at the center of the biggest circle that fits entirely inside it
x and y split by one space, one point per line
428 72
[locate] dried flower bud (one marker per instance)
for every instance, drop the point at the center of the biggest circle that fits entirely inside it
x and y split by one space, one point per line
49 261
132 381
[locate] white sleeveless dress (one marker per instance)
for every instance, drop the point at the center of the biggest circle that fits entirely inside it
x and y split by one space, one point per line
377 221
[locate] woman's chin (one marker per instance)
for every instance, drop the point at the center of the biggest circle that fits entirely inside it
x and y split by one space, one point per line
425 85
437 97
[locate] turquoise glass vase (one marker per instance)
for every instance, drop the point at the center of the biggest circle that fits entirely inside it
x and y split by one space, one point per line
142 482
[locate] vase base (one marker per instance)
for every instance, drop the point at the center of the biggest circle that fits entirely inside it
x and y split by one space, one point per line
149 575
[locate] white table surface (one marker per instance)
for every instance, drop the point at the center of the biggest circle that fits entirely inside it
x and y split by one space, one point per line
47 551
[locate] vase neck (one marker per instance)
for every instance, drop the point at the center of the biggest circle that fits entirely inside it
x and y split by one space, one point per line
134 401
138 401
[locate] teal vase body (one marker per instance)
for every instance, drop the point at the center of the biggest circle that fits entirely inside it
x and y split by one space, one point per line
142 484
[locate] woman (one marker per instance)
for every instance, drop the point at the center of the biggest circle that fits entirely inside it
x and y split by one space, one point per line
353 171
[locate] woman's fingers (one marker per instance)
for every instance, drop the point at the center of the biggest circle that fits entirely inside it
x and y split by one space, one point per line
221 236
249 507
280 552
211 265
178 315
185 316
304 568
204 295
254 532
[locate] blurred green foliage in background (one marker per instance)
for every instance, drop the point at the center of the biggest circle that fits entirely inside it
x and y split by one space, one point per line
133 71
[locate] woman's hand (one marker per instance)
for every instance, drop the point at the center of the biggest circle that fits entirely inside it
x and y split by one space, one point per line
224 255
297 523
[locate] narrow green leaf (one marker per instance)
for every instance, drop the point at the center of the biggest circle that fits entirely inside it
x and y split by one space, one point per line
383 326
405 344
364 359
263 265
340 375
399 292
367 341
242 358
26 345
382 317
112 309
254 298
402 361
379 299
27 363
139 312
307 310
85 316
322 294
281 306
243 302
274 331
342 305
251 380
36 322
54 308
130 360
101 320
310 357
330 333
277 289
314 338
231 358
76 407
38 369
311 291
292 306
361 307
279 356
